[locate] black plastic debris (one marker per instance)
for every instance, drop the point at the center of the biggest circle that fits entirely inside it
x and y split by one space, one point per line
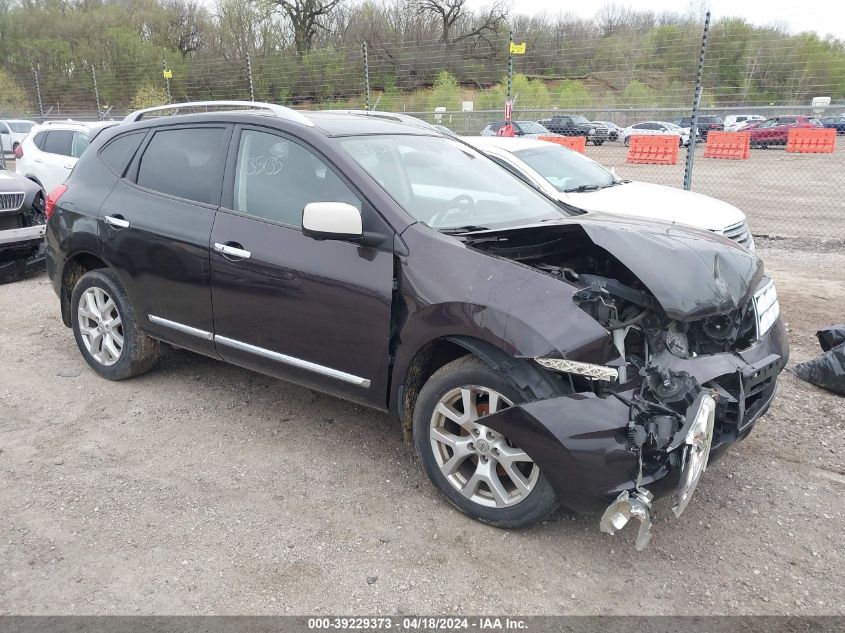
828 370
17 269
831 336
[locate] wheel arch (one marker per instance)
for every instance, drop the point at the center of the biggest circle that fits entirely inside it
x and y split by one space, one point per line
74 267
533 381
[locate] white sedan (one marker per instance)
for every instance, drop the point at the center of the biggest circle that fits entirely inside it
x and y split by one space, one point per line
571 177
651 128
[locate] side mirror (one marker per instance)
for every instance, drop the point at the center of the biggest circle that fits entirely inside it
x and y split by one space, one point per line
332 221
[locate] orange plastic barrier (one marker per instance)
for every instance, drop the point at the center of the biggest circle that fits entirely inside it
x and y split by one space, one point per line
578 143
730 145
811 140
654 150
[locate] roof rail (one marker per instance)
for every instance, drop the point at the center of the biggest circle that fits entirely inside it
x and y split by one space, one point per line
391 116
279 111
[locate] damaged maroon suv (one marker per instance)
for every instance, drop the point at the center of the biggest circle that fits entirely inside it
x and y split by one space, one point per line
539 356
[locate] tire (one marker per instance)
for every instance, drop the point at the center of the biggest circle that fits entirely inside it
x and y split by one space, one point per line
597 143
627 141
514 506
106 314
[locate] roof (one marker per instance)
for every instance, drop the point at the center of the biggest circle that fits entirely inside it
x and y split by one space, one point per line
82 126
329 122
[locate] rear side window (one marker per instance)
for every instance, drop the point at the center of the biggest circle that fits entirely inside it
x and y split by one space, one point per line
39 140
786 120
186 163
119 151
58 142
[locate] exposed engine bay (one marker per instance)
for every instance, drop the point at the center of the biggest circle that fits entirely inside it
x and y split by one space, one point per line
674 415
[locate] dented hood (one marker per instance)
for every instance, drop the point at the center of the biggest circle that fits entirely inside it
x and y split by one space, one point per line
692 274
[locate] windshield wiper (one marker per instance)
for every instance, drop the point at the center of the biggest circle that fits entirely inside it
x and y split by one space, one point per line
582 188
456 230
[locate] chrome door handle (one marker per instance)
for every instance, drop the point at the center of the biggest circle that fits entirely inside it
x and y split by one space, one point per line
232 250
117 221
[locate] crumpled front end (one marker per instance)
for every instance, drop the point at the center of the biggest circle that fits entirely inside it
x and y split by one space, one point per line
619 446
696 366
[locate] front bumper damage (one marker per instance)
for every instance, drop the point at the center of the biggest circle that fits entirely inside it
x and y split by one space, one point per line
592 449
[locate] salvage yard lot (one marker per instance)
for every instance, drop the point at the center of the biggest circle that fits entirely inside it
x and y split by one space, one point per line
783 194
204 488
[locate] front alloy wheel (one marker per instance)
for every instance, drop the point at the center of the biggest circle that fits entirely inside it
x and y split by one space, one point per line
477 461
478 469
100 326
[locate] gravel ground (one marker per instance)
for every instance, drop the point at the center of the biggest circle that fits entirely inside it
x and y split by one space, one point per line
202 488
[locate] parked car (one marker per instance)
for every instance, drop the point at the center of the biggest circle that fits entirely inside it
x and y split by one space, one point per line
706 123
21 226
50 151
540 356
835 122
13 131
737 122
576 125
527 129
775 131
613 130
579 181
661 128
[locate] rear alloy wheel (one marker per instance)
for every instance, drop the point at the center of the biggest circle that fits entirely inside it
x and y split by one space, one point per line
478 469
106 330
627 141
100 326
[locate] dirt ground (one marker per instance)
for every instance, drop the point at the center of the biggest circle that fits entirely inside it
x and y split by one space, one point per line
202 488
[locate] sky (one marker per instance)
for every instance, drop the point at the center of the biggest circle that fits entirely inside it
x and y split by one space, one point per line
822 16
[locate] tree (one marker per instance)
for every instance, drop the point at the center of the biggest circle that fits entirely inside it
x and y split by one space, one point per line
147 96
186 25
449 13
574 95
12 98
305 17
637 93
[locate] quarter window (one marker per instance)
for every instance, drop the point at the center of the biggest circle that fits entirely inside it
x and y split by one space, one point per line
185 163
39 140
79 143
117 154
275 178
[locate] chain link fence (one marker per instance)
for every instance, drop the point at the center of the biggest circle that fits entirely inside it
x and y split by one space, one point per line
607 74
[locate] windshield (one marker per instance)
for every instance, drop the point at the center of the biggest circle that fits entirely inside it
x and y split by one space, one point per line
578 118
529 127
20 127
671 126
564 169
446 184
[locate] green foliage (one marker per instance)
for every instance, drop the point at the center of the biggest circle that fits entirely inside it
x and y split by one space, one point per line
639 94
147 96
573 94
445 92
13 99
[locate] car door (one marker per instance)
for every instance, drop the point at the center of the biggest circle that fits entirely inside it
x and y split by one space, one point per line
155 228
314 312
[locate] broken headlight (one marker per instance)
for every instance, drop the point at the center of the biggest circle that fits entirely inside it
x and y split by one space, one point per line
589 370
696 449
766 307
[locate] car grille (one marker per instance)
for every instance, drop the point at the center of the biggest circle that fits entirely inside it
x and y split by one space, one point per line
739 233
11 201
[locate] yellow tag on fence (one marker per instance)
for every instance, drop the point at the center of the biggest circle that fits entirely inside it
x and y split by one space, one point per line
517 49
168 74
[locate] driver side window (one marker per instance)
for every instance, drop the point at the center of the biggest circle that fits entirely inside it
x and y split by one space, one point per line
276 177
